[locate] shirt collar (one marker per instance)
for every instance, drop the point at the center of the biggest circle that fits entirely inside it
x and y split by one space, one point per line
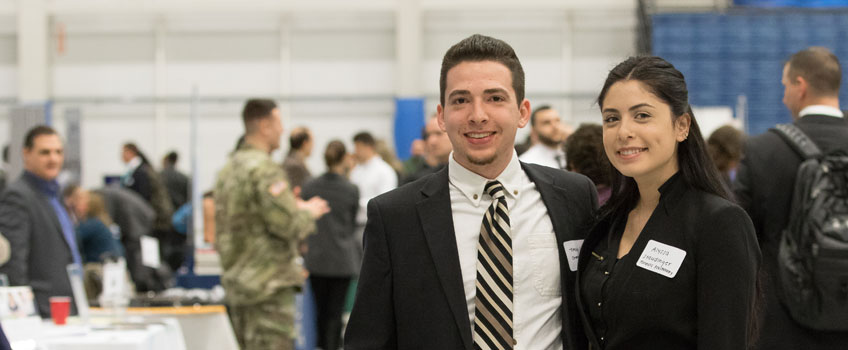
552 152
671 190
472 185
821 110
50 187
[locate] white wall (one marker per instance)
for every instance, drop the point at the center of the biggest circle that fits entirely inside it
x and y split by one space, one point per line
8 71
336 69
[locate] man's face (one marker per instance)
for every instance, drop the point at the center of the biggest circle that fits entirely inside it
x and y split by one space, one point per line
548 128
437 144
273 129
481 115
45 158
791 93
362 152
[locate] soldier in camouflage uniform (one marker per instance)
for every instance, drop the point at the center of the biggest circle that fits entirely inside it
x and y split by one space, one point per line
259 224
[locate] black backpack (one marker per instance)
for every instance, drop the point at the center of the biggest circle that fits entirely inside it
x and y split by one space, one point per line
813 256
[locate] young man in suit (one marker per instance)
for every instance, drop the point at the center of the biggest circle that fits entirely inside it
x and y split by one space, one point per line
766 178
39 229
477 255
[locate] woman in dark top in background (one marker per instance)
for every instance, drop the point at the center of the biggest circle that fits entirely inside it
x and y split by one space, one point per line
671 263
333 255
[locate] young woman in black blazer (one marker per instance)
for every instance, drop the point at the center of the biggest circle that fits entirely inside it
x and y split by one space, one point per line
671 263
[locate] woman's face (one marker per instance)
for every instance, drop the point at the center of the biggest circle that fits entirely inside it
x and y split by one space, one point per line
640 137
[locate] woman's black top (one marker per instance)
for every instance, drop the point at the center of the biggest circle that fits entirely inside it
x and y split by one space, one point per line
703 301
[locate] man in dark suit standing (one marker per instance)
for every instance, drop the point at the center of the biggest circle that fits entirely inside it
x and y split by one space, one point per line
479 254
766 178
38 227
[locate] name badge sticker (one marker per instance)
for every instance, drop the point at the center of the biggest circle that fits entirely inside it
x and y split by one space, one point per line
572 252
661 258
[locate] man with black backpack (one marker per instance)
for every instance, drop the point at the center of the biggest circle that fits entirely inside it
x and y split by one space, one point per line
802 220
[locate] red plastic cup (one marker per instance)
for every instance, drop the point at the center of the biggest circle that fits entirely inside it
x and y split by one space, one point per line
60 307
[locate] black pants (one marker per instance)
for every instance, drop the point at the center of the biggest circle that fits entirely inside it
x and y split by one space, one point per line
330 293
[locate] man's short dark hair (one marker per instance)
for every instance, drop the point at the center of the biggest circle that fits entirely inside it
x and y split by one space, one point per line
172 157
256 109
536 111
299 137
477 48
335 153
365 138
6 154
819 67
38 130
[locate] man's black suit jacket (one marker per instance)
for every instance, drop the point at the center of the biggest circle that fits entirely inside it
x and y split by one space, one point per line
763 187
40 252
410 293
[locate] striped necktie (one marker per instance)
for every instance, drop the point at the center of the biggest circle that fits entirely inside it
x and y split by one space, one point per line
493 302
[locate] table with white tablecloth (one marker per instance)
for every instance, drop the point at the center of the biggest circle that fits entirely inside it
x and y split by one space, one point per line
203 327
100 334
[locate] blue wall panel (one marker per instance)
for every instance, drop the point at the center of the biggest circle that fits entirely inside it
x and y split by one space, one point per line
742 53
792 3
409 120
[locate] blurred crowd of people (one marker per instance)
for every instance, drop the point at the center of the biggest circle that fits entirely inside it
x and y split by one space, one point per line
275 224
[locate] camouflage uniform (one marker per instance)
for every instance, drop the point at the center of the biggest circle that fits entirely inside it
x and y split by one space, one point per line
258 228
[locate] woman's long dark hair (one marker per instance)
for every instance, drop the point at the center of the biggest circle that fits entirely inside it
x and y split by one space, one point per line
668 84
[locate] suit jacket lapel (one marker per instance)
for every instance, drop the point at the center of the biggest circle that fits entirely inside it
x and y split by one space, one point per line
434 210
561 212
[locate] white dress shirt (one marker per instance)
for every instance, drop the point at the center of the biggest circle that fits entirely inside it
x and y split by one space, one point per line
537 294
374 177
544 155
821 110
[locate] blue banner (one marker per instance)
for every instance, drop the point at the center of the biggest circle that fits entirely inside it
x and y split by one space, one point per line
409 120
